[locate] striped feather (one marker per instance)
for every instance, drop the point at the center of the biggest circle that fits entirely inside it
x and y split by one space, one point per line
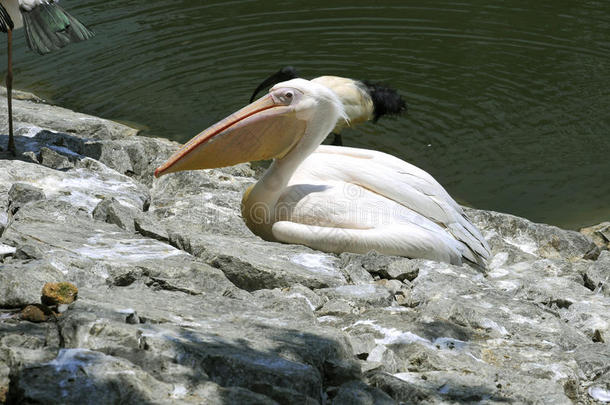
6 22
48 27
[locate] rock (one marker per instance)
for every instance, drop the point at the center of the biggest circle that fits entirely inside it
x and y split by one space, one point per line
28 114
112 211
27 252
83 187
354 271
3 220
369 294
503 231
54 160
58 293
253 264
6 250
597 276
149 228
337 307
179 303
34 313
198 202
20 282
599 394
599 234
358 393
393 286
84 376
403 297
4 381
23 193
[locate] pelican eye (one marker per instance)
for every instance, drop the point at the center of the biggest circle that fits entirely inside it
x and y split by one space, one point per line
286 96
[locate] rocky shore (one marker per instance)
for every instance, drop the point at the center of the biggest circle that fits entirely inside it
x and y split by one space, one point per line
179 303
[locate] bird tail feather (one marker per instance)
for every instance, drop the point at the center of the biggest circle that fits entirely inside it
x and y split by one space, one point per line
48 27
6 23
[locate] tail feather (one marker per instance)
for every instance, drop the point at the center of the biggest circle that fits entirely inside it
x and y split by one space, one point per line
385 99
48 27
6 23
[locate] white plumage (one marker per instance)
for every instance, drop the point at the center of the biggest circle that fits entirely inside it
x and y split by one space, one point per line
330 198
364 200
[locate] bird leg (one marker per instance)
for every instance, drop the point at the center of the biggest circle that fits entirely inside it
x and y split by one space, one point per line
338 140
9 92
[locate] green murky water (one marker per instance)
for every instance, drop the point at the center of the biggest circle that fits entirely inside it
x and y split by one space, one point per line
509 100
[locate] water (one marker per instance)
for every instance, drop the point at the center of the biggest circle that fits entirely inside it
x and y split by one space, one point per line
509 101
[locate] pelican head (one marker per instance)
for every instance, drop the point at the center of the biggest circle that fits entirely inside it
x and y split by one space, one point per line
296 114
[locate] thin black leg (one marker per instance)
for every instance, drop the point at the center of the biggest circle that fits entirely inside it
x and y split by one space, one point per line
338 141
9 93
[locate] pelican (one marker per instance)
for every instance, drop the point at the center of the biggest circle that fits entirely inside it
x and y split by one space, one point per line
48 27
330 198
362 100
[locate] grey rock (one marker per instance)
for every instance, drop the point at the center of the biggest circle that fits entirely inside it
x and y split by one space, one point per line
297 291
367 294
4 381
597 276
442 387
393 286
6 250
204 201
23 193
50 158
23 344
180 303
354 271
362 344
402 270
148 227
28 114
535 239
600 389
337 307
593 359
87 377
253 264
27 251
21 283
113 212
358 393
381 354
599 234
3 217
84 187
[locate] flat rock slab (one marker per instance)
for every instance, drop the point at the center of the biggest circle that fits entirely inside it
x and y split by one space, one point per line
252 264
83 187
504 231
31 114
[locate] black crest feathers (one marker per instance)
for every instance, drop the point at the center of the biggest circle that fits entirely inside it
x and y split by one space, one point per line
386 100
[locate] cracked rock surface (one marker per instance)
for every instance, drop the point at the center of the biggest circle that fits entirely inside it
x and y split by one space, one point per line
179 303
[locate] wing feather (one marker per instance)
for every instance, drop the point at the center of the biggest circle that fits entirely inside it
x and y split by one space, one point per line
48 27
399 181
6 22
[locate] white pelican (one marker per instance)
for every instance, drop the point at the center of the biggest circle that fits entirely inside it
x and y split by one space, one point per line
362 100
332 198
48 27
